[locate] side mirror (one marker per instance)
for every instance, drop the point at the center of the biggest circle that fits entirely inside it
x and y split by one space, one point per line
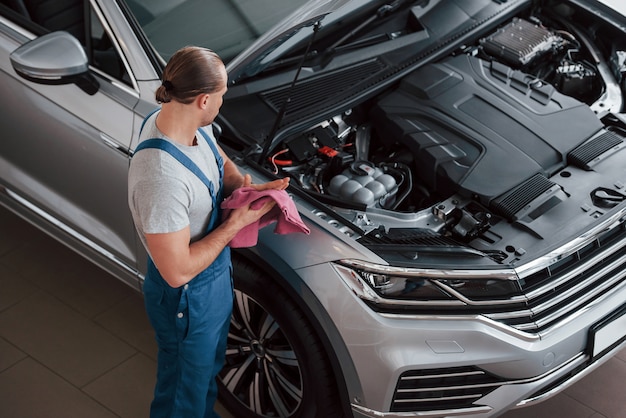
54 58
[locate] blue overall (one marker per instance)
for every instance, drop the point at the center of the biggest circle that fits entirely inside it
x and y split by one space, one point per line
191 322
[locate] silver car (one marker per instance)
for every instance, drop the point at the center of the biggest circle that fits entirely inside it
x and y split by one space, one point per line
461 166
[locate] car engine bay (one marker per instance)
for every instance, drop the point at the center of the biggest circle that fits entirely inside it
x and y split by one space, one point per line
519 130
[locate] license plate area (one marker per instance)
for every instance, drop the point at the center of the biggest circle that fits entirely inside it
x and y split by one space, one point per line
607 334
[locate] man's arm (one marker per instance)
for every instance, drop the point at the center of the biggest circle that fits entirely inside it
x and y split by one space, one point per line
178 261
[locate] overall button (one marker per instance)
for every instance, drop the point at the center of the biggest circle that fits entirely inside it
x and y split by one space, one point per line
185 287
180 315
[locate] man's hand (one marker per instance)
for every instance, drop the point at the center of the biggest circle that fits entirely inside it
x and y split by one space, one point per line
245 215
280 184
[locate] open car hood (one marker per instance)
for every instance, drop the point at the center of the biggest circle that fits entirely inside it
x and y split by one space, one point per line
265 49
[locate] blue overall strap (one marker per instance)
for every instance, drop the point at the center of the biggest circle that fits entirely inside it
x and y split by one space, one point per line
218 156
171 149
180 156
218 159
216 195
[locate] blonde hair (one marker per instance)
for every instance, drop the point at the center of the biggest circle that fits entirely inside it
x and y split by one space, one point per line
190 71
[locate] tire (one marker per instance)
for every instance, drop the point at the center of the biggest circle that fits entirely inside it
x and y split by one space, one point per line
275 366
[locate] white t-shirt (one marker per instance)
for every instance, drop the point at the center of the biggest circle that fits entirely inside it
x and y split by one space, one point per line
164 195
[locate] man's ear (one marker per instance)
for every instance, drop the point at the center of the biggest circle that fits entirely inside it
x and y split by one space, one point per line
203 100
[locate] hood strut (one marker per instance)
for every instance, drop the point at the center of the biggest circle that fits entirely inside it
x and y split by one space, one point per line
281 113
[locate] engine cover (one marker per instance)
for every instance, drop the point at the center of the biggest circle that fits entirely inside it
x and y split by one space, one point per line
481 128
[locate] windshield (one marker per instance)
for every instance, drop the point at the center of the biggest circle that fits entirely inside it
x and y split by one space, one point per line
225 26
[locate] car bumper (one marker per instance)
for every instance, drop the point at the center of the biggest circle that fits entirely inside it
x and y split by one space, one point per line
506 368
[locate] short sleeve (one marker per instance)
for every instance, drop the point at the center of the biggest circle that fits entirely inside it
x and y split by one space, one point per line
159 196
162 205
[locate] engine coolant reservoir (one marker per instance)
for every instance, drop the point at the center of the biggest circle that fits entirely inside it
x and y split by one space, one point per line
362 183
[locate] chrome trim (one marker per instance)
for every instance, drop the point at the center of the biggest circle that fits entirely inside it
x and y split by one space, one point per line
73 233
501 316
441 398
572 246
570 364
496 274
434 414
105 25
439 375
536 319
18 30
579 306
477 386
115 82
110 142
581 268
578 313
580 301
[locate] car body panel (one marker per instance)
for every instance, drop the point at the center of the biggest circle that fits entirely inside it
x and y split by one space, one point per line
57 177
517 302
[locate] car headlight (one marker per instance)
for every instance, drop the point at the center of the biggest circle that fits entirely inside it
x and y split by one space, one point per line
399 286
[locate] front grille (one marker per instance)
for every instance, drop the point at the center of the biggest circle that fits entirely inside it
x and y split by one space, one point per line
559 290
442 389
548 291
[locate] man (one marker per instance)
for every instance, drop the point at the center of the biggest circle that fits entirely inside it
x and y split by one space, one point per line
177 179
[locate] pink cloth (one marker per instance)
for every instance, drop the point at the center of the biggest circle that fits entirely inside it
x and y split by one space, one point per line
284 213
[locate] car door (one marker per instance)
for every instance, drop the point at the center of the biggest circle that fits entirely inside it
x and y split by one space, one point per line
64 147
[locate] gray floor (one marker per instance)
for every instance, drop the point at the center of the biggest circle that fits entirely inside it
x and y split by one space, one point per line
74 342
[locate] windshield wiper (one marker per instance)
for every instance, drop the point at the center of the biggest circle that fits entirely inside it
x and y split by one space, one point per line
381 12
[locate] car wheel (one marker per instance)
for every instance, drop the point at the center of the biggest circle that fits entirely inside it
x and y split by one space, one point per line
275 366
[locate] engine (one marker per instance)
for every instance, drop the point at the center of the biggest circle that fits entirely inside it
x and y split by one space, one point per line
490 124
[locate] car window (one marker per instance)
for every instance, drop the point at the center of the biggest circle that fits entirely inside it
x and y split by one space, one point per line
102 52
225 26
76 17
